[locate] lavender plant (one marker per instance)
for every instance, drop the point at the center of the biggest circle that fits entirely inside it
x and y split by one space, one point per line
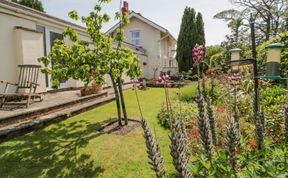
179 148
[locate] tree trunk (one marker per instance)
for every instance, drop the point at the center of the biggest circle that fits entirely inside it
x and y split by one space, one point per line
122 100
117 99
268 29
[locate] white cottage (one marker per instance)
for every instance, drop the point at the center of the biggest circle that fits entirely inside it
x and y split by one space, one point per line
26 35
156 41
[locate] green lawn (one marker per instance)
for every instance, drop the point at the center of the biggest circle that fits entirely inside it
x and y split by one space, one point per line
74 148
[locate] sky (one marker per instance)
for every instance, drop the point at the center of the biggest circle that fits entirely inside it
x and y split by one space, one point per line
167 13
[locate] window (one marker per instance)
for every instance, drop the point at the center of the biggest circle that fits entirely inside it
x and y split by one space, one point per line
170 63
42 29
135 38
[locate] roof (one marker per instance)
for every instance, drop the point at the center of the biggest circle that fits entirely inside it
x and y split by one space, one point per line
37 14
145 20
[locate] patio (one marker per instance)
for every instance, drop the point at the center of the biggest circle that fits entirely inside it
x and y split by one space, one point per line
17 120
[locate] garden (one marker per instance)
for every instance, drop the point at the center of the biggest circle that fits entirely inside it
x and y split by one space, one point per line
221 116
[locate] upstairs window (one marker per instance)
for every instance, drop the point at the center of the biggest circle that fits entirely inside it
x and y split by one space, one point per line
135 38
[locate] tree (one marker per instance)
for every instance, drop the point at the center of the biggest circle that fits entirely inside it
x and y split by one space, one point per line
235 21
200 38
90 61
34 4
186 40
268 14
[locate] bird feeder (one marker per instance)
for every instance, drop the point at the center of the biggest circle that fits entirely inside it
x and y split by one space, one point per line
235 56
273 59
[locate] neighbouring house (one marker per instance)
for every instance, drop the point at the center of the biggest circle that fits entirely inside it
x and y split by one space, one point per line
156 41
26 35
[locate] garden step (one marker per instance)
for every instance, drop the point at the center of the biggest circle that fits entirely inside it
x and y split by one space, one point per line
33 113
35 123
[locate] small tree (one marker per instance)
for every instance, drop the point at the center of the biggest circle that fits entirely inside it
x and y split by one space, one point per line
91 61
34 4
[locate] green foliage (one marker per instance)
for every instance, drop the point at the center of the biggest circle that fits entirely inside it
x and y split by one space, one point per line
252 164
262 52
214 56
188 37
34 4
189 93
88 62
182 110
219 166
274 98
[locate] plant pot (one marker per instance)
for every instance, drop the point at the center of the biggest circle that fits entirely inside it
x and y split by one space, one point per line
86 91
96 88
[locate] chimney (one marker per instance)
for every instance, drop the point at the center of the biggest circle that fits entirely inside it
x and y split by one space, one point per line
125 8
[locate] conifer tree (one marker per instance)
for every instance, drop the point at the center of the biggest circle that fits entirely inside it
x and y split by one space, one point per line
200 37
34 4
191 33
186 41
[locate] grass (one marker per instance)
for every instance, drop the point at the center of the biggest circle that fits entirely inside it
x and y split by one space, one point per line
75 148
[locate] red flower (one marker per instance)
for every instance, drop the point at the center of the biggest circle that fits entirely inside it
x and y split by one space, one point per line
220 109
253 144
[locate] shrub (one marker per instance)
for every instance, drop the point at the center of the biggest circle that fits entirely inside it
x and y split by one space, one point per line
274 99
189 93
182 110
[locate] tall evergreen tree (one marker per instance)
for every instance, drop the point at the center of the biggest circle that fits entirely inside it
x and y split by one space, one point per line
200 38
186 40
34 4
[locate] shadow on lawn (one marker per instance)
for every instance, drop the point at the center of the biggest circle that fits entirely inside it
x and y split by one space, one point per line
53 152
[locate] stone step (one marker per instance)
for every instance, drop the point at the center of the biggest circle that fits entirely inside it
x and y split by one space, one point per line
30 114
39 122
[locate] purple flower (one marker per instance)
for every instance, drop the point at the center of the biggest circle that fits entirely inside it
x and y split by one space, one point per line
198 54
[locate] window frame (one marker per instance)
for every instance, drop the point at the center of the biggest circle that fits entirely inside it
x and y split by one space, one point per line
134 39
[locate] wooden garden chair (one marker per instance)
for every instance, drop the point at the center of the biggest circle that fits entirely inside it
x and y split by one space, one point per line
28 78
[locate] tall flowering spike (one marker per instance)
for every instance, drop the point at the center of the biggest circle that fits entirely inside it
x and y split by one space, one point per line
232 141
179 148
153 150
286 123
212 124
236 120
204 128
198 54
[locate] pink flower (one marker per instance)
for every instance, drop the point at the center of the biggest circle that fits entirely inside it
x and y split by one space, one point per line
135 83
166 77
198 54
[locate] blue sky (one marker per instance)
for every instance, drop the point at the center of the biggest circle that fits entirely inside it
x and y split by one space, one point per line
167 13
